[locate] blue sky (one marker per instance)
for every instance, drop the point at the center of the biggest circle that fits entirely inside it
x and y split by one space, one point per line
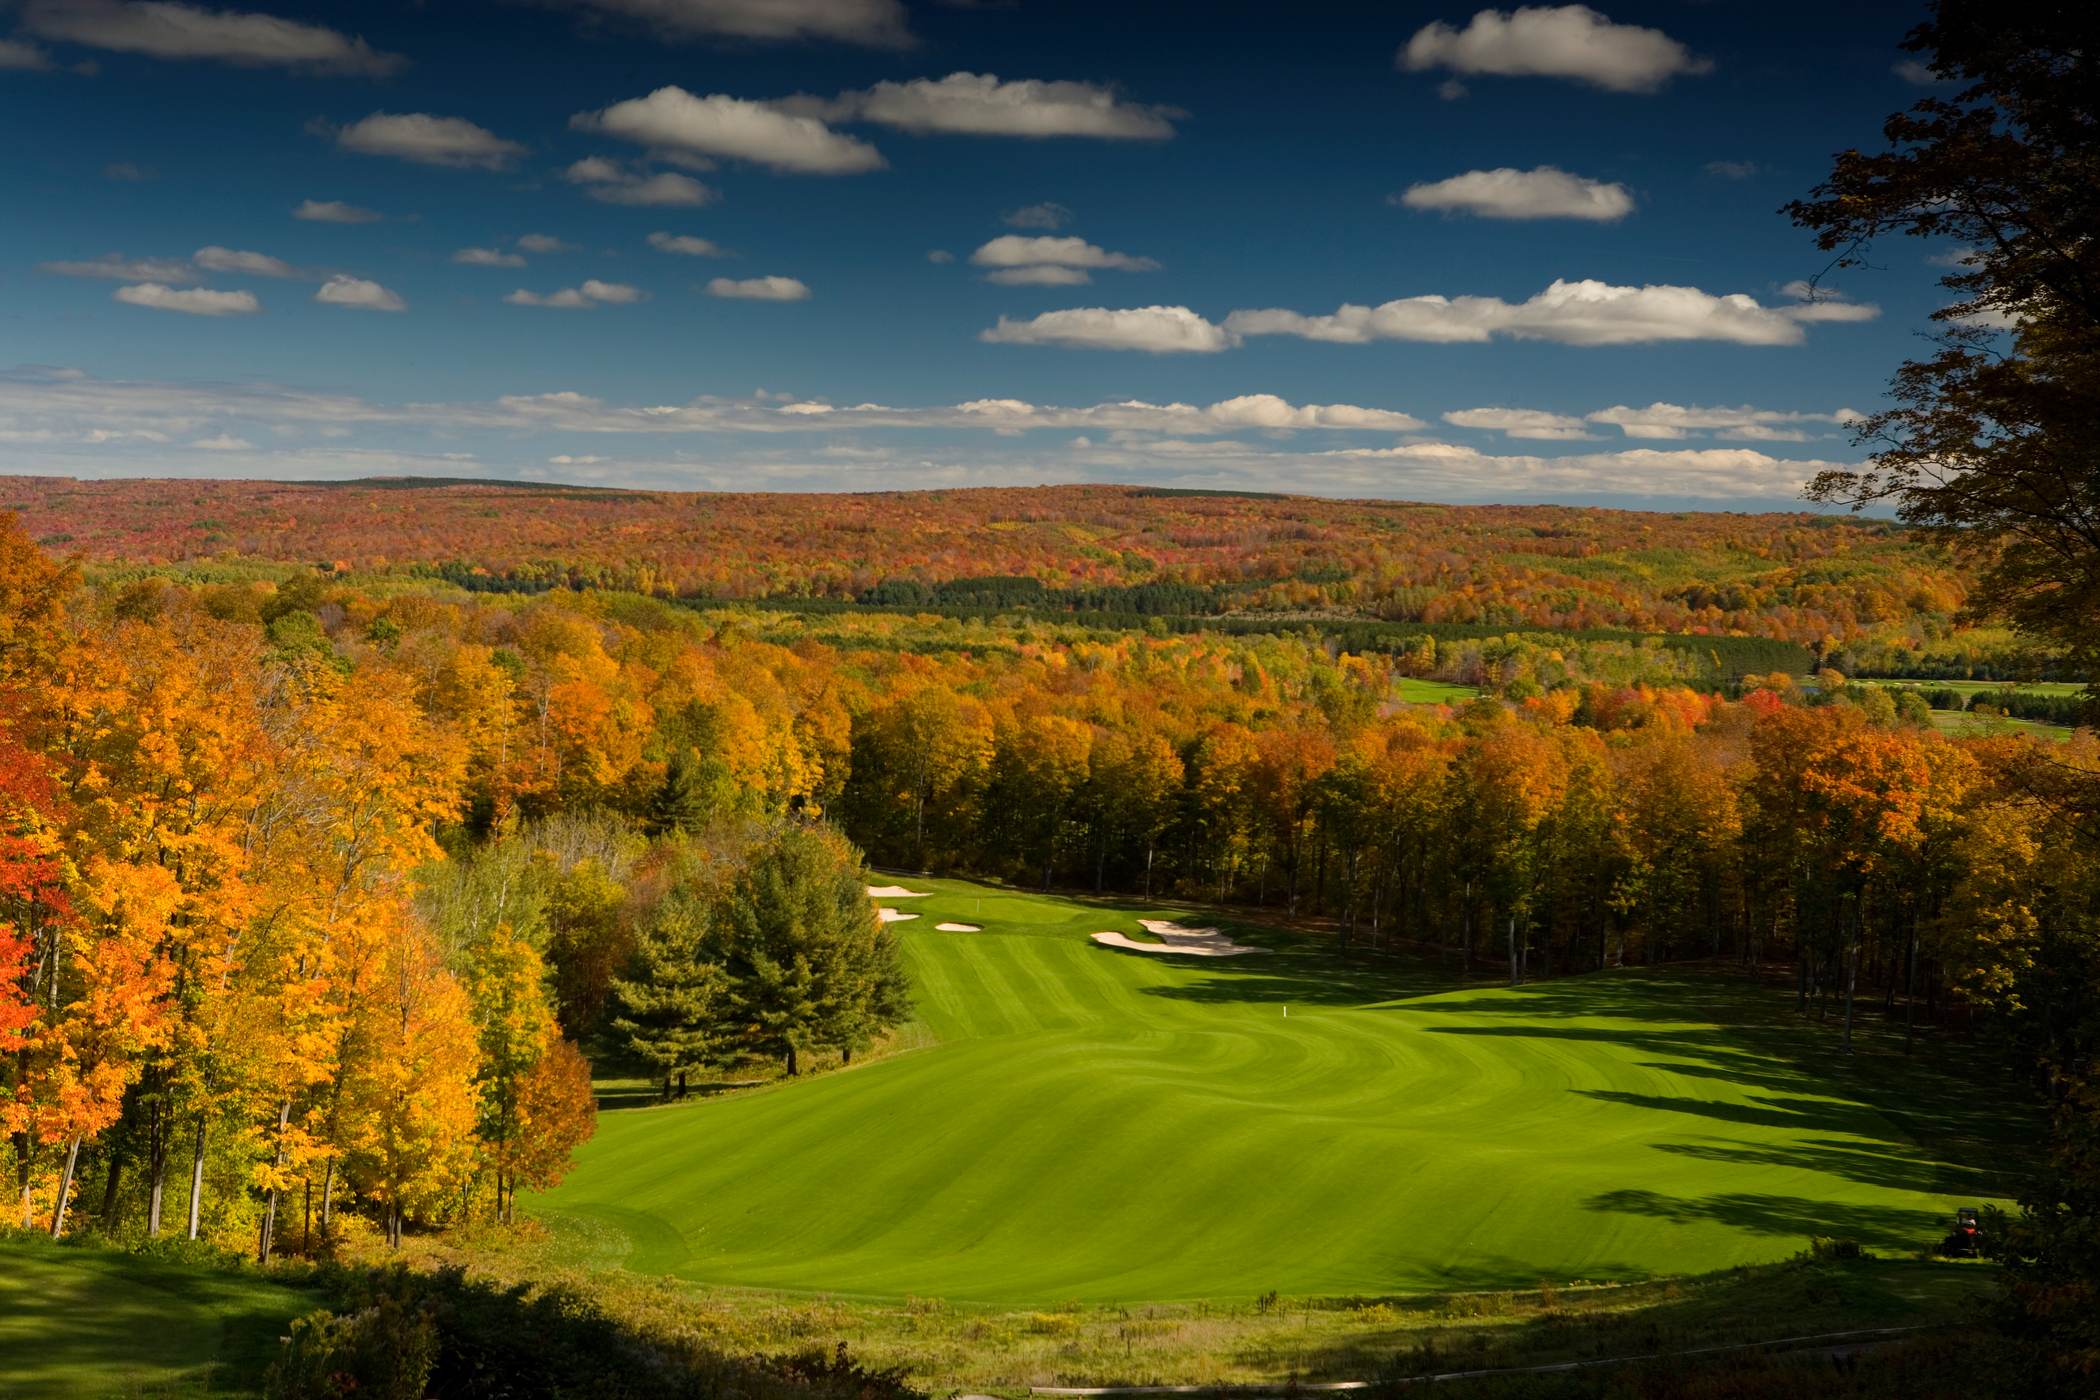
1426 251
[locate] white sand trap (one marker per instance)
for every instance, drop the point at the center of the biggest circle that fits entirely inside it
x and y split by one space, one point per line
958 928
1190 942
893 916
895 892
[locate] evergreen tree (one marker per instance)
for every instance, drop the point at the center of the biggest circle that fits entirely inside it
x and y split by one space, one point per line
668 1010
681 804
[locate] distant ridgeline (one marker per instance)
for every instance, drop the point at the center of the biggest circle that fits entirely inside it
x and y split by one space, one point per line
1748 593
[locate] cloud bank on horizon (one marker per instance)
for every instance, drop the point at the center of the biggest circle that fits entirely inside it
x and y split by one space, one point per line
1436 251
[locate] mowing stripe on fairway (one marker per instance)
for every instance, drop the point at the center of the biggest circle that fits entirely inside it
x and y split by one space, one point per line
1100 1126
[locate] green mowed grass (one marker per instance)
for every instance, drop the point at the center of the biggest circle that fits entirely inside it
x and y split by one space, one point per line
88 1321
1103 1126
1420 692
1982 687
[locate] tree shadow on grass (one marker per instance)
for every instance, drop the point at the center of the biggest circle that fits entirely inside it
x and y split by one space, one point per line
1878 1227
1865 1163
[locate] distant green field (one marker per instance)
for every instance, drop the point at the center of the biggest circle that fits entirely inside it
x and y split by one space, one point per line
87 1321
1967 725
1105 1126
1416 692
1967 688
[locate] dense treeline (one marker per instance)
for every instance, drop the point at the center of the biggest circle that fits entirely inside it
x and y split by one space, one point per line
284 849
1815 581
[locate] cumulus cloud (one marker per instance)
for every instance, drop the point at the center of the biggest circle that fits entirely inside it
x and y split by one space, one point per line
224 442
1015 250
544 243
1044 215
1158 330
758 289
592 293
429 140
981 104
873 23
334 211
1572 313
939 257
244 264
22 58
191 301
358 294
1528 423
686 245
611 182
1044 276
1674 421
117 267
672 119
160 29
1504 193
487 257
1549 41
1709 473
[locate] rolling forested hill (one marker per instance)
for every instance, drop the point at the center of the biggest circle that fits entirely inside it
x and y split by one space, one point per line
1876 587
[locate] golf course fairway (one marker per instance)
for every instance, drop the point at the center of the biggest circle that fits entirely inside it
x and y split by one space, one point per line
1097 1125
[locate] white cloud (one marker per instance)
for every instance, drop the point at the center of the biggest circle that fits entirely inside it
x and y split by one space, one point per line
487 257
544 243
22 58
193 301
224 442
1505 193
429 140
1732 169
1530 423
160 29
1044 276
245 264
613 183
686 245
1672 421
1044 215
939 257
1547 41
1571 313
1015 250
980 104
733 128
591 293
122 269
758 289
1713 473
874 23
1157 330
1818 304
358 294
334 211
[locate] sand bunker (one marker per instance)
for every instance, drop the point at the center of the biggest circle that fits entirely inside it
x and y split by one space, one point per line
958 928
1191 942
893 916
894 892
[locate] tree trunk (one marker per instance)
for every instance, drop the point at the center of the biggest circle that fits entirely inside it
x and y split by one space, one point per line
1515 976
65 1188
111 1184
197 1178
306 1230
327 1198
269 1221
794 1064
156 1168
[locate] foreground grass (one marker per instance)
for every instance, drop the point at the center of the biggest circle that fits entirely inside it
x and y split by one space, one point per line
1113 1127
948 1347
78 1319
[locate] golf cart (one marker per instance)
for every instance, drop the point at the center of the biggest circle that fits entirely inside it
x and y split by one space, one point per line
1965 1240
